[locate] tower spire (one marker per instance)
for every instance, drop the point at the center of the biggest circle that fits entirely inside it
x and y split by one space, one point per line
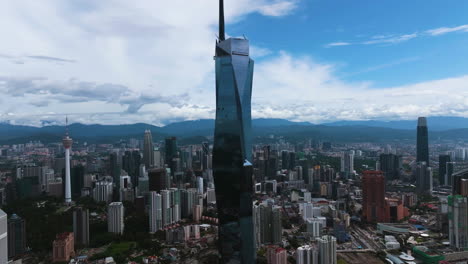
221 21
66 125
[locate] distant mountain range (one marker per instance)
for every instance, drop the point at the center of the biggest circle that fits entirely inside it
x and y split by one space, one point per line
342 131
437 123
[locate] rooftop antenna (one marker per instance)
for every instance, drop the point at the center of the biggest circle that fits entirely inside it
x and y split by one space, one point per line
222 34
66 125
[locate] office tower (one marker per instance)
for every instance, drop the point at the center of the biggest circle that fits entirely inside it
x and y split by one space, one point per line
157 159
131 164
205 155
77 179
16 236
115 169
347 163
81 226
148 151
189 200
390 165
423 178
327 250
210 196
458 221
155 213
63 247
170 151
115 218
449 172
158 179
443 177
310 211
276 255
67 144
373 196
459 181
284 160
307 255
232 149
3 237
422 143
292 160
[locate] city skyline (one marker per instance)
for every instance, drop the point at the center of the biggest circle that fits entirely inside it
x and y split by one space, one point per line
108 74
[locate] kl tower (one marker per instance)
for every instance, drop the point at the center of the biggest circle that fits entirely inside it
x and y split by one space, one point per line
67 143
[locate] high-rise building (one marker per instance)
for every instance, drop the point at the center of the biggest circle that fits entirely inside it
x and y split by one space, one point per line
232 149
158 179
276 255
81 226
115 168
3 237
67 144
327 250
205 155
63 247
155 213
284 160
423 178
458 180
347 163
148 151
16 236
390 165
188 200
115 218
103 190
373 196
170 152
422 143
307 255
458 221
268 224
444 178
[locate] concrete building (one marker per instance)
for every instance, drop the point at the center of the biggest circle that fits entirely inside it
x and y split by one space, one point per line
3 237
155 212
458 221
307 255
327 250
103 190
373 196
81 226
115 218
63 247
16 236
276 255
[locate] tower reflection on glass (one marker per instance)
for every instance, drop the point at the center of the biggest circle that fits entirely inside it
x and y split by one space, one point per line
232 151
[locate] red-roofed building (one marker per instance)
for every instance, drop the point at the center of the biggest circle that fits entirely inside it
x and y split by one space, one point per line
276 255
63 247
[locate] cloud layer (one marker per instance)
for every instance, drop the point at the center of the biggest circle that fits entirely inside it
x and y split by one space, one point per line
151 61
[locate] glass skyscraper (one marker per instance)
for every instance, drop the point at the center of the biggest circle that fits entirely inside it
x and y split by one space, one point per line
232 148
422 141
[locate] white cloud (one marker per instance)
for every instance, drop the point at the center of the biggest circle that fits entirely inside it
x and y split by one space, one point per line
280 8
445 30
151 61
336 44
394 39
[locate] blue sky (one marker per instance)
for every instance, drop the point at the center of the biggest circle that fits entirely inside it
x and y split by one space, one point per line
119 61
318 23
